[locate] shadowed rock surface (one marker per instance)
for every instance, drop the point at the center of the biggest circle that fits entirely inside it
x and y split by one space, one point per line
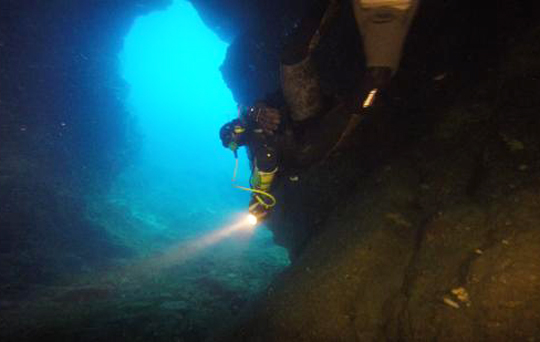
427 226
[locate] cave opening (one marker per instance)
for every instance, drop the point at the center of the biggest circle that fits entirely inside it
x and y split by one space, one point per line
174 204
180 180
178 100
178 187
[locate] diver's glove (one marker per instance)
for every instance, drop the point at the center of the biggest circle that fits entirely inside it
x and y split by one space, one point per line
268 119
264 117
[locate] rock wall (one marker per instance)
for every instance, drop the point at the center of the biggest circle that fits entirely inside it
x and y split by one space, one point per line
255 30
426 226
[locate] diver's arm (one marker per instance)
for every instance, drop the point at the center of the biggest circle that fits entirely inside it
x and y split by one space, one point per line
261 116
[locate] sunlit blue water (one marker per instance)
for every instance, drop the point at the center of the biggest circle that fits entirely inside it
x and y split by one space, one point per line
171 62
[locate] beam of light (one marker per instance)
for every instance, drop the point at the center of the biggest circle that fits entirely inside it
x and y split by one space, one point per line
182 252
150 267
178 100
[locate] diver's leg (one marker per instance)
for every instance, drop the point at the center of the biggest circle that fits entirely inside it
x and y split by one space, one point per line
265 155
265 167
299 79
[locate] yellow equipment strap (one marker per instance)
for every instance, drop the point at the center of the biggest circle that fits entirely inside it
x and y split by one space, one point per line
272 199
269 204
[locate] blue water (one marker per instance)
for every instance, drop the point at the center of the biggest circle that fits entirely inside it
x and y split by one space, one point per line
157 254
171 263
179 101
175 205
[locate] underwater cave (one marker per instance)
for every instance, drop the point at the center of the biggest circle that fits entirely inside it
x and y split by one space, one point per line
284 171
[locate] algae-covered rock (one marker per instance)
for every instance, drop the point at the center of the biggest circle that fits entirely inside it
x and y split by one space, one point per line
438 237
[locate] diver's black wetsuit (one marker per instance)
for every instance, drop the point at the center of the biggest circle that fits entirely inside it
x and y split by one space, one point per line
263 149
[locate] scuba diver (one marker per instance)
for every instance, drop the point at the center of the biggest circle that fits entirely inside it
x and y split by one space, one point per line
254 128
300 131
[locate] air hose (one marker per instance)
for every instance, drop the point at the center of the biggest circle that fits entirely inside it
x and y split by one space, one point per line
271 199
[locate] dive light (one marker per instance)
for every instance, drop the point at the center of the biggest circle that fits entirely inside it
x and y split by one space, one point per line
252 219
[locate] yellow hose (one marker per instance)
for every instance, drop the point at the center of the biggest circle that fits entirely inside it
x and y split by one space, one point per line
235 170
270 204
